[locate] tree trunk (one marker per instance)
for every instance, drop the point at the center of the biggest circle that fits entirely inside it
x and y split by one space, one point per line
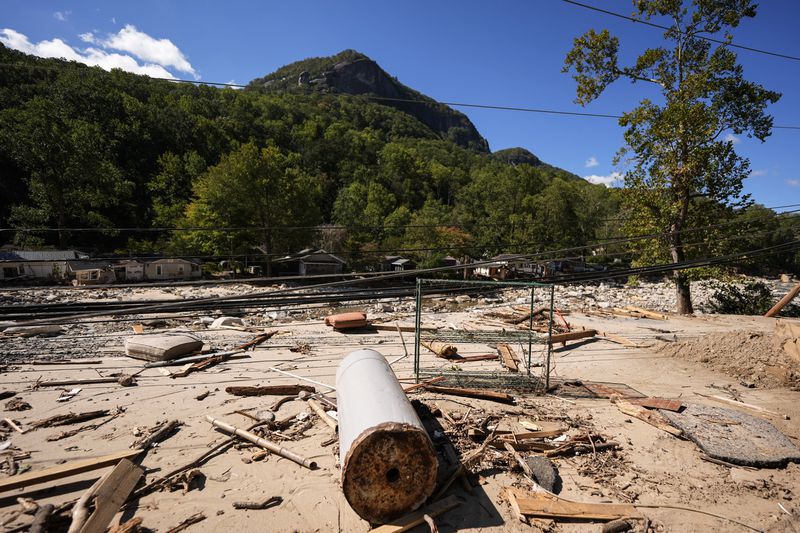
683 294
268 249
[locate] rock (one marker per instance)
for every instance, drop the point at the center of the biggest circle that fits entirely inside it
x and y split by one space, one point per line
230 321
545 473
463 298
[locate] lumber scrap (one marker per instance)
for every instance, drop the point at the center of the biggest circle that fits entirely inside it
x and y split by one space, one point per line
266 504
618 339
441 349
571 336
270 390
157 434
783 302
508 357
480 394
423 384
65 470
69 418
543 504
473 358
646 313
418 517
264 443
195 518
741 405
108 494
654 418
131 526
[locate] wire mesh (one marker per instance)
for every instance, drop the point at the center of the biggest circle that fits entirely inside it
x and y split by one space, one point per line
532 346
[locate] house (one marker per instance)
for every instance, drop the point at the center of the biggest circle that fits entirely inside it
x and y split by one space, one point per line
505 266
310 262
129 270
40 264
449 261
90 273
396 263
172 269
403 264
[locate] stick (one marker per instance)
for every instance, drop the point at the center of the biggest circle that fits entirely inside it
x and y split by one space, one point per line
278 390
423 384
525 467
405 349
39 524
328 419
693 510
64 383
272 502
301 378
195 518
255 439
157 436
13 426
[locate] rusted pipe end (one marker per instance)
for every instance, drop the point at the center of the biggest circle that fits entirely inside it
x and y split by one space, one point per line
389 470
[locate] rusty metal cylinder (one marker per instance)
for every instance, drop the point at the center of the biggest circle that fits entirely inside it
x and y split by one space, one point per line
388 462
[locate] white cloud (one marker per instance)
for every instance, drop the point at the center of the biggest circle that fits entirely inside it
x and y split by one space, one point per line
793 183
730 137
608 181
592 162
113 20
158 51
62 15
90 56
758 172
87 37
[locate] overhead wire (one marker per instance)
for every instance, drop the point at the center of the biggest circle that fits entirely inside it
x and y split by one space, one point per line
662 27
431 101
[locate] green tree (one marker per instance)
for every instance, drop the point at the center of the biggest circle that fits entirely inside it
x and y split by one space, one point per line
253 187
678 150
70 176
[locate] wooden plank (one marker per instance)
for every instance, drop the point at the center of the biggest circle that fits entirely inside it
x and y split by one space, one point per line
508 356
472 393
740 405
572 335
618 339
646 313
654 418
546 505
418 517
111 494
65 470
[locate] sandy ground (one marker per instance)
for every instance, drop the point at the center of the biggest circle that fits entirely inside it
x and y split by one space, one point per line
651 467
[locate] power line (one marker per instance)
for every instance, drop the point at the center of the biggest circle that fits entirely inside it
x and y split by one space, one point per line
659 26
406 100
323 227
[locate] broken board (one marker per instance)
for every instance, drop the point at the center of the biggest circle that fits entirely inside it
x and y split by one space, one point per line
735 437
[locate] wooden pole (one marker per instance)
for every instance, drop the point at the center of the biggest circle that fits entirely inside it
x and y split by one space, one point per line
784 301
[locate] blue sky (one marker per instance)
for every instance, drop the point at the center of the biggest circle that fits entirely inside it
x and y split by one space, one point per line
500 53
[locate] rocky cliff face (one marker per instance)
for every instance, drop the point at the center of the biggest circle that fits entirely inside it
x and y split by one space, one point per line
353 73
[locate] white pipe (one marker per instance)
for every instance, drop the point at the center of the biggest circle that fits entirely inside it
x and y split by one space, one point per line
388 462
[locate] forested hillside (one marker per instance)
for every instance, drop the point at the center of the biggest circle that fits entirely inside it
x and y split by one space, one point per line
285 167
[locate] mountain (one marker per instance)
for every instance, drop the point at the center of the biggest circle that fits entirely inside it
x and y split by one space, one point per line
352 72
